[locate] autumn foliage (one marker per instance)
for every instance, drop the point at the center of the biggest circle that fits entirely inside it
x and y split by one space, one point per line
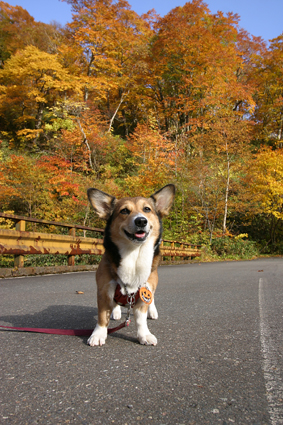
128 103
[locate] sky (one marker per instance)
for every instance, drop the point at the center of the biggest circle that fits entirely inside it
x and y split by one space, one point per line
262 18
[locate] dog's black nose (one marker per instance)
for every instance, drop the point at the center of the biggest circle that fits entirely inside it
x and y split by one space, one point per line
140 221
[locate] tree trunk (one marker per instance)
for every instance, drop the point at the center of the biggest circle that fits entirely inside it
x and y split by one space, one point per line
117 109
280 132
86 91
38 121
226 192
39 116
85 141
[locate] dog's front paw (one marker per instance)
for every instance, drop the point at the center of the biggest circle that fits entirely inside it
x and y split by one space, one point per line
148 339
116 313
98 336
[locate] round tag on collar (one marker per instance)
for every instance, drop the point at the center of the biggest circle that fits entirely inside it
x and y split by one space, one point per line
146 295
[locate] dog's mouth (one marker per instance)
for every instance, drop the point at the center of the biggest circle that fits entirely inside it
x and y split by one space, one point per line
139 235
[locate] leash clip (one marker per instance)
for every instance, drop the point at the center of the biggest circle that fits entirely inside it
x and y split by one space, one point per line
128 320
131 300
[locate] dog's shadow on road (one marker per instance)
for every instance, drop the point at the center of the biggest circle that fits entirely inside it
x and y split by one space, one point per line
57 317
61 317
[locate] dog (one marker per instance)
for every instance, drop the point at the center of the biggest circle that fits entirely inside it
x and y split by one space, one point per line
128 268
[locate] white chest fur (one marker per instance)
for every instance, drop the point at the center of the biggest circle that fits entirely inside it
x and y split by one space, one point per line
135 265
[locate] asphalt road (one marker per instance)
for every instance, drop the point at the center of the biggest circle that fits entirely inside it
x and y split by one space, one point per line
218 358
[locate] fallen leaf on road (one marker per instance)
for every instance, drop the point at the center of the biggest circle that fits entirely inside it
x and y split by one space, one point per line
79 292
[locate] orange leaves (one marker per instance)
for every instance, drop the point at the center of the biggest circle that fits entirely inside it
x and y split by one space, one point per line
41 188
112 43
154 158
147 144
17 29
268 79
70 147
195 60
53 164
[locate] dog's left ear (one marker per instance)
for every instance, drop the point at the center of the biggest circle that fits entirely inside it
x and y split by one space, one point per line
164 198
102 203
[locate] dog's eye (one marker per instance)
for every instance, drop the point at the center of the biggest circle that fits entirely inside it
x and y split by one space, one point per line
125 211
146 209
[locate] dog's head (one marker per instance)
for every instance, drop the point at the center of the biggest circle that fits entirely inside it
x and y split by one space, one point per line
133 219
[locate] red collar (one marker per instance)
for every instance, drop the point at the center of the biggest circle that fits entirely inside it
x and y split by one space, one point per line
123 300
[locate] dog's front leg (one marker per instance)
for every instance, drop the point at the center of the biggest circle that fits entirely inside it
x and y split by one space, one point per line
145 337
99 335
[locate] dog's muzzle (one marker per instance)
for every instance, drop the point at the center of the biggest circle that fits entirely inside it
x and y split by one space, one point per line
140 229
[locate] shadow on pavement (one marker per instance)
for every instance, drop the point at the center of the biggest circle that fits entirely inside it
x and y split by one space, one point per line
63 317
59 316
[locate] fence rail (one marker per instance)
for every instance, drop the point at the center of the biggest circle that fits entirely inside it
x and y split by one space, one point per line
20 242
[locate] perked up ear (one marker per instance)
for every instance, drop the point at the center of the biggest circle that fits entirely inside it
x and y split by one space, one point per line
164 199
102 203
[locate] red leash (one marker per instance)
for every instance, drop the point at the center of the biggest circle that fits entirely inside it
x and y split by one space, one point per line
124 300
70 332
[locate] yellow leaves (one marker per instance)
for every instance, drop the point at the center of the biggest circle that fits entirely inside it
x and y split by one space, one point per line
266 176
241 236
3 89
6 223
37 71
33 79
28 134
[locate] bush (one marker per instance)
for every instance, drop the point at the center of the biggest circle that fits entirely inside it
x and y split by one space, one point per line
7 261
234 248
59 260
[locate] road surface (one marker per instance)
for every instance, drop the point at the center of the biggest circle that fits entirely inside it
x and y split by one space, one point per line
218 358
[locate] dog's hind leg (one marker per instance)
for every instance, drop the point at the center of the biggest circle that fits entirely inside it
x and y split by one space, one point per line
116 313
152 312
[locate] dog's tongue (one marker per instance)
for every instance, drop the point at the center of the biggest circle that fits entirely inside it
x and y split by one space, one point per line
140 235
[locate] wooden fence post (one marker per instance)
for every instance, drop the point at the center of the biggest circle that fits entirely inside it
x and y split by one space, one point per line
19 259
71 258
172 246
161 246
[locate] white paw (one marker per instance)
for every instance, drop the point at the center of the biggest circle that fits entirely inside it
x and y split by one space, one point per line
98 336
148 339
152 312
116 313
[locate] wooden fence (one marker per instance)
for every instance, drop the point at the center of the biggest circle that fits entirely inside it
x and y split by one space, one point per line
20 242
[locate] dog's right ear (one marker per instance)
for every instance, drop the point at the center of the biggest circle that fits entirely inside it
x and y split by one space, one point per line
102 203
164 198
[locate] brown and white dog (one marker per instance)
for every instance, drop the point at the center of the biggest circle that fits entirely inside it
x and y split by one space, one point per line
131 241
